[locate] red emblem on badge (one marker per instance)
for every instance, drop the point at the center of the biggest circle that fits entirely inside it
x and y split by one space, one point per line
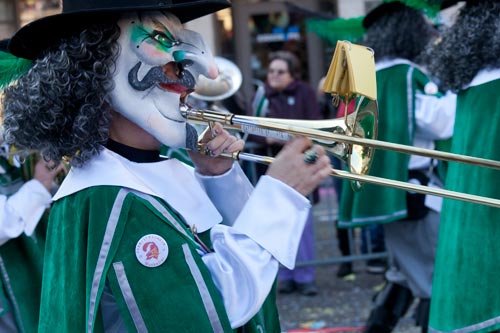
151 250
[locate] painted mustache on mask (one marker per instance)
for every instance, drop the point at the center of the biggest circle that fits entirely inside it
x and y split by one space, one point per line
158 76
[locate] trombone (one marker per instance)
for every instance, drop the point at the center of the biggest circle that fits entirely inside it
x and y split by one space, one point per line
351 77
351 139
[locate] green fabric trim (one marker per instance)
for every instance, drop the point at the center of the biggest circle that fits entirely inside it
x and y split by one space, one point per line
260 108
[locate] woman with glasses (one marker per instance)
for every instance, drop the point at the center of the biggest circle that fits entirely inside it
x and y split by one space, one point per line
290 97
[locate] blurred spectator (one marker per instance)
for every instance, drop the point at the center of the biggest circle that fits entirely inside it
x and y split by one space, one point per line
289 97
329 111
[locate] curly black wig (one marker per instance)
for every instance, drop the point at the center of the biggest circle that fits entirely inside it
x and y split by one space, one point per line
399 34
471 44
61 106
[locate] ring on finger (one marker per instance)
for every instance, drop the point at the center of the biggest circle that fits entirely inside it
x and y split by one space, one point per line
50 167
310 156
208 151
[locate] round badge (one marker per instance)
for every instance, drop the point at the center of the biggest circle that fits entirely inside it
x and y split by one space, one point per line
431 88
151 250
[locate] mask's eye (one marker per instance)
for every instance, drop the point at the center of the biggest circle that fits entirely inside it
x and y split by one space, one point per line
164 39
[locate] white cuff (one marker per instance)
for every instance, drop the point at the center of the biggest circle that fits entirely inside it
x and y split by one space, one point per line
274 217
239 261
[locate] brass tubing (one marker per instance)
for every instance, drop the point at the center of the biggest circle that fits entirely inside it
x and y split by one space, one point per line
332 137
284 129
386 182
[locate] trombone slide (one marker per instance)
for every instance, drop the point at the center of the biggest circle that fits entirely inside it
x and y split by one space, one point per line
285 129
383 181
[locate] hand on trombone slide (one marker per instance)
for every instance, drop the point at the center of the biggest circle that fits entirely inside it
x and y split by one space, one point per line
215 141
300 164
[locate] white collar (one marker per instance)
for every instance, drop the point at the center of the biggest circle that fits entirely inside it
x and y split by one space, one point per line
484 76
387 63
170 180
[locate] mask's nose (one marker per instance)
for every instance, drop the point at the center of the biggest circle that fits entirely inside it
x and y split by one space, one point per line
206 62
179 55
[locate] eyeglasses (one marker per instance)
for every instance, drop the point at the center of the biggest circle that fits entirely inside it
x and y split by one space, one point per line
277 71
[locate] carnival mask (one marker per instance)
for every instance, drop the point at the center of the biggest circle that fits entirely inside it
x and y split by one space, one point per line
158 65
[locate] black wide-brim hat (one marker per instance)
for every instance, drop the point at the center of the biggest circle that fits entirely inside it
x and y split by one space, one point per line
390 7
469 3
32 39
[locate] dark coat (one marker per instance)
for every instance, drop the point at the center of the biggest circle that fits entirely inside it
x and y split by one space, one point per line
297 101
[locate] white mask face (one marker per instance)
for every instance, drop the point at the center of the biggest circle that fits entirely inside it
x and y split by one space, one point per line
159 63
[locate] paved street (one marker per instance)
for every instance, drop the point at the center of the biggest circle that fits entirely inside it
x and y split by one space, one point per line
342 304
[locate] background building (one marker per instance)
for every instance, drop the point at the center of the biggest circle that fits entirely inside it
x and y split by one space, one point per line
251 29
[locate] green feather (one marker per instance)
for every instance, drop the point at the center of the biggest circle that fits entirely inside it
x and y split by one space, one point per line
11 68
350 29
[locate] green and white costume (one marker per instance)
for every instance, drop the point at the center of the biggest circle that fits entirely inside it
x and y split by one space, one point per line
22 203
411 113
465 296
105 208
22 240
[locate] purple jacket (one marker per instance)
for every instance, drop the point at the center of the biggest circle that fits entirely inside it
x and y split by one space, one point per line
297 101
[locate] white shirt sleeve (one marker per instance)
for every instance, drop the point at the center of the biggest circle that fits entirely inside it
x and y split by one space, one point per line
435 119
232 186
245 260
22 211
435 116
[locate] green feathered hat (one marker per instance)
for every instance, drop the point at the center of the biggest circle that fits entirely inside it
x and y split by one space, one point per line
429 7
11 67
352 29
349 29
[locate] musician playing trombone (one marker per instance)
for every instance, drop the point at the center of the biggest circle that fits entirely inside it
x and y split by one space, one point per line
137 243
